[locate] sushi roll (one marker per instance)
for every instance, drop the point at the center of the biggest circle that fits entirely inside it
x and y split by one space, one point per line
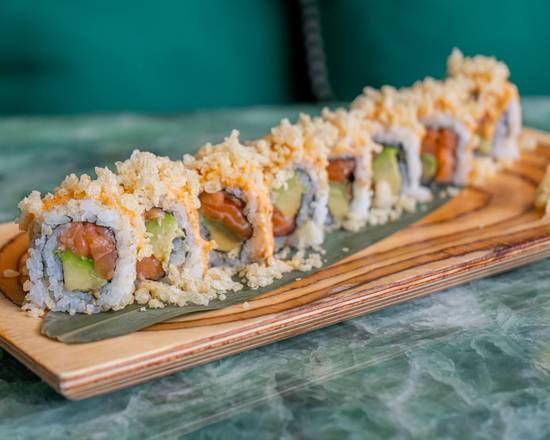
235 210
296 175
168 194
397 168
486 80
85 239
349 169
448 117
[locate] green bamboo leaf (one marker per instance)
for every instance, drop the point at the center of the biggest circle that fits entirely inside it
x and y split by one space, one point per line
87 328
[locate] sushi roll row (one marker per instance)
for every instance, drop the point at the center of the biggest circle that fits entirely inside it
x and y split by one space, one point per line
457 130
160 231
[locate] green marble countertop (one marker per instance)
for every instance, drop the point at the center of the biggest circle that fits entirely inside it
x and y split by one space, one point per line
469 362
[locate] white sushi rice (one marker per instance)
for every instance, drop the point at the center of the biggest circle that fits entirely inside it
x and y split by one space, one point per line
45 269
505 144
361 190
251 213
187 252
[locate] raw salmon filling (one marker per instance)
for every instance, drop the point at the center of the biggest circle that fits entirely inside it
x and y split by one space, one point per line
224 218
340 170
87 240
439 154
149 268
283 225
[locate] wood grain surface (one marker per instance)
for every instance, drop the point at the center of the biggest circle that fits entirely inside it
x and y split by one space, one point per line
482 231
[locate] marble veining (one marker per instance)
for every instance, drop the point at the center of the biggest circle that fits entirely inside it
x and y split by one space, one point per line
470 362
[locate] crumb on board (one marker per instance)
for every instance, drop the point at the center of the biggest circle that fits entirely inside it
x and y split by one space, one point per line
246 305
143 309
390 210
527 141
32 310
156 304
483 168
142 296
262 274
184 289
345 249
453 191
10 273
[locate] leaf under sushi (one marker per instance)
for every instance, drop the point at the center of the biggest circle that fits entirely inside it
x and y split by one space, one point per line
87 328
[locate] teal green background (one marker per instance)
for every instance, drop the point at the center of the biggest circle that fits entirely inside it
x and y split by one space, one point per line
400 41
73 56
64 56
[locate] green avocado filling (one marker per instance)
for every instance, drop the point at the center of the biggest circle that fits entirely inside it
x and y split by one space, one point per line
385 168
485 146
339 198
225 239
163 231
79 273
429 166
288 198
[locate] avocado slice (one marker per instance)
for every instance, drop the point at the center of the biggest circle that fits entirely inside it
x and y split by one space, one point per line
485 146
163 231
385 167
288 198
79 273
225 239
429 166
339 199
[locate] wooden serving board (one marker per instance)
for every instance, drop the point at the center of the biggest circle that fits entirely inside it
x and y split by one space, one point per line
482 231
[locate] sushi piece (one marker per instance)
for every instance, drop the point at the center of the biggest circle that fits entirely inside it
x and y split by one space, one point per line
168 193
296 175
397 168
85 239
448 116
349 169
235 210
487 82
